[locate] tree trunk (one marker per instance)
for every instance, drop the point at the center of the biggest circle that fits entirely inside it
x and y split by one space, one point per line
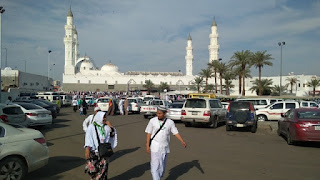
314 91
206 84
198 86
220 83
291 88
244 82
240 84
215 80
260 87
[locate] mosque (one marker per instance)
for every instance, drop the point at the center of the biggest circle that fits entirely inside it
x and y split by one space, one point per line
81 73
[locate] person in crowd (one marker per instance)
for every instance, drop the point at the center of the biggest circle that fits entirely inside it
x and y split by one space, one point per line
75 105
81 110
97 167
9 100
121 102
57 101
111 107
84 106
159 147
126 106
89 120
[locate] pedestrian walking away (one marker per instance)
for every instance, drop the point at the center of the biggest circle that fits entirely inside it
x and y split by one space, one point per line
158 140
97 167
75 105
85 106
126 106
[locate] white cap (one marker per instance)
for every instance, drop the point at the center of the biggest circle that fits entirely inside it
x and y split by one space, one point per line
97 109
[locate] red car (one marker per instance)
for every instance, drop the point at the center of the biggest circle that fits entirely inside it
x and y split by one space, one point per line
301 124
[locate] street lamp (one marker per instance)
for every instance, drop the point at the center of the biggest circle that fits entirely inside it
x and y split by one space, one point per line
53 70
179 81
25 65
1 11
6 62
281 44
48 62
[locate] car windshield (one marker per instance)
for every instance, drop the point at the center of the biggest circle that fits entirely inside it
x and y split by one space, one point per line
29 106
176 105
103 100
147 98
132 101
310 115
239 106
195 103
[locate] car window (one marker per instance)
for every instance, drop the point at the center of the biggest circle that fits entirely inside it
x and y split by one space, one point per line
313 105
310 115
103 100
290 114
175 105
215 104
132 101
29 106
290 105
272 101
239 106
278 106
195 103
2 131
261 102
304 104
12 110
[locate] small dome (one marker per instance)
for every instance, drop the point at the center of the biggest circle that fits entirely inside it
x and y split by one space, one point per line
86 65
110 68
8 68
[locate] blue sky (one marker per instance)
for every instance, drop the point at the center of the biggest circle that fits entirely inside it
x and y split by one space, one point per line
150 35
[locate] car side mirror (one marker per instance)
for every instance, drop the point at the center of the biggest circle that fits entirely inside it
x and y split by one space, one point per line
256 109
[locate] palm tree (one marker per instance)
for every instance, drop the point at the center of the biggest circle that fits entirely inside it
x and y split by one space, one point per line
259 59
163 86
292 81
198 82
214 65
241 59
238 72
221 70
276 90
228 76
206 73
314 83
264 84
210 87
149 85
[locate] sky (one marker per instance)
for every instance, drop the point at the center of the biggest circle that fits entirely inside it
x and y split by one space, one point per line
150 35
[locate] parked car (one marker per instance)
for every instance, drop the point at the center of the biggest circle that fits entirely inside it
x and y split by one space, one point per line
301 124
151 109
148 98
174 111
203 110
308 104
22 150
103 103
51 104
12 114
41 103
259 103
274 111
135 104
241 114
36 115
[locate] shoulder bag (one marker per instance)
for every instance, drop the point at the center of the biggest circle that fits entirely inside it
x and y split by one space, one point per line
104 149
157 132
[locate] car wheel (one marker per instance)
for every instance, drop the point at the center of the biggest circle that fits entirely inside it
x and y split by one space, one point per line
228 127
254 128
289 139
12 168
262 118
187 124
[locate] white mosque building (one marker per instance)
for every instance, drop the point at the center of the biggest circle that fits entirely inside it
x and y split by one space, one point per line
81 73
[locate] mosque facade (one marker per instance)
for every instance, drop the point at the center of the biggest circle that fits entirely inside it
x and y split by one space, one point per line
81 73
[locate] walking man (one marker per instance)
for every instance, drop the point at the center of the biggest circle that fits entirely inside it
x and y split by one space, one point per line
158 146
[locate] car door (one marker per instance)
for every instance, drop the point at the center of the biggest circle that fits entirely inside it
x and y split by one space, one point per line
216 108
275 111
287 121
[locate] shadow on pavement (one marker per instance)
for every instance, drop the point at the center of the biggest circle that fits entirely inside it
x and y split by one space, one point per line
133 172
183 168
120 153
56 166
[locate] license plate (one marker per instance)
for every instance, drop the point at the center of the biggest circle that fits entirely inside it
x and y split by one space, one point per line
316 127
239 125
194 113
42 115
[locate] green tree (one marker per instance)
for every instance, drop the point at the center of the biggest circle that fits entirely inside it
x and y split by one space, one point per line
314 83
276 90
211 88
264 84
292 81
228 76
214 65
163 86
206 74
149 85
238 72
242 59
222 68
198 82
258 60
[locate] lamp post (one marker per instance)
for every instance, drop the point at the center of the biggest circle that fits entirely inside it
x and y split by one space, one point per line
6 62
1 11
179 81
53 70
281 44
25 65
48 62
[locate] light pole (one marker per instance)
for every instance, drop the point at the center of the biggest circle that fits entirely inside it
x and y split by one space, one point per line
25 65
6 57
281 44
48 62
179 81
53 70
1 11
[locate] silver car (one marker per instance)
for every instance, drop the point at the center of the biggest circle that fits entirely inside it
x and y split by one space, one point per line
35 114
13 114
22 150
174 111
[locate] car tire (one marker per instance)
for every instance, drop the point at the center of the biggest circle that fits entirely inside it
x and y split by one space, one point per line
13 167
262 118
254 128
228 127
187 124
289 139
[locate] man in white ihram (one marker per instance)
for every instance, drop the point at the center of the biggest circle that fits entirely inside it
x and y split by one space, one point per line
159 147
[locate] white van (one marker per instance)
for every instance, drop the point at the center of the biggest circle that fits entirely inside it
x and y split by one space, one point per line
260 102
50 96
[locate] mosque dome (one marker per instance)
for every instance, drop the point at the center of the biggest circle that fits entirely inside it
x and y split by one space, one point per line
85 64
109 68
8 68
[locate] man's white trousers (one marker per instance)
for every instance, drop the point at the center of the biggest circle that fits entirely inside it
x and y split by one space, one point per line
158 164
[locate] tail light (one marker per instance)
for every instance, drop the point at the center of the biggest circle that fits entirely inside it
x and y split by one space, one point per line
251 108
228 110
298 125
41 141
31 114
4 118
206 113
183 112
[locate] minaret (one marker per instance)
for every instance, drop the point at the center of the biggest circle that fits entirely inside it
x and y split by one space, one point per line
69 45
189 57
214 46
76 46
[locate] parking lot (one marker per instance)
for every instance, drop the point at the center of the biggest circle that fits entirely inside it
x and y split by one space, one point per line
211 153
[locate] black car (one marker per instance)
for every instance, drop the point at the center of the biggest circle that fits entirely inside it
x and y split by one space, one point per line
241 114
40 103
50 104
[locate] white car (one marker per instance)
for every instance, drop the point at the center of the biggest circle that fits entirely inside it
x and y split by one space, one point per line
309 104
274 111
103 103
135 104
13 114
22 150
35 114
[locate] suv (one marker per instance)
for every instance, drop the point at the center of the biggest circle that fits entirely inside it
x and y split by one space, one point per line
274 111
201 110
241 114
